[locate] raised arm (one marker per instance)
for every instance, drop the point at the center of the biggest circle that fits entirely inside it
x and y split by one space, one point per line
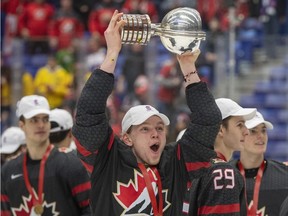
113 41
91 129
198 140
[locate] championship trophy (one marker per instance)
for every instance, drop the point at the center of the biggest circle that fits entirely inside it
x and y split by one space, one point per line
179 31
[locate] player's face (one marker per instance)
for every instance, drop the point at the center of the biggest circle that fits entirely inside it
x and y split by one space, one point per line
148 140
256 141
36 129
235 135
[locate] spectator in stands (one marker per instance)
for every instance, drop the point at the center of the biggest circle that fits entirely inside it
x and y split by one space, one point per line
167 5
99 18
83 9
27 83
6 95
210 9
53 82
141 7
60 133
67 58
12 143
43 180
34 26
282 13
268 16
66 32
66 28
10 11
266 180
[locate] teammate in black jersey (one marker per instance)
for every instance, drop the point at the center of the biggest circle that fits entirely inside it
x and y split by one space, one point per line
220 191
61 129
266 180
43 181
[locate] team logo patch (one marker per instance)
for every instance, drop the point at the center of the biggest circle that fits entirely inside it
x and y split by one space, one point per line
134 197
148 108
259 212
27 207
36 102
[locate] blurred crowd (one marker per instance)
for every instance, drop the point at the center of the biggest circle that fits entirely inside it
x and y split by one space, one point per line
62 42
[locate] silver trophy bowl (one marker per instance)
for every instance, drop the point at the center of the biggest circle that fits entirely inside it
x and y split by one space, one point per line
180 30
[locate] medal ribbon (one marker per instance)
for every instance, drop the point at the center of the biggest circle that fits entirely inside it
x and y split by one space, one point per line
254 207
158 210
41 176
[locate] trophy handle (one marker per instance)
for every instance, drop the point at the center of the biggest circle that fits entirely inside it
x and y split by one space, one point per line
137 29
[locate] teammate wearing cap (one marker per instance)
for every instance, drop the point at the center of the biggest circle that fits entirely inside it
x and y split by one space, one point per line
140 174
266 180
233 131
43 181
12 144
221 189
60 133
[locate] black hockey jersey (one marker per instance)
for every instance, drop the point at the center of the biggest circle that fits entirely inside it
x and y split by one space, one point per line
273 187
117 183
66 186
220 191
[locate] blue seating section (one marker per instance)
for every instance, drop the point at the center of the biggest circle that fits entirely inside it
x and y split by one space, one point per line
249 37
271 99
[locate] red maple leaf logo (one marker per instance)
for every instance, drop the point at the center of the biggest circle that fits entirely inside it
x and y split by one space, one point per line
24 209
259 212
27 209
131 190
134 197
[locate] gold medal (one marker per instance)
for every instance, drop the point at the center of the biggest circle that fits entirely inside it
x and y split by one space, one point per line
38 209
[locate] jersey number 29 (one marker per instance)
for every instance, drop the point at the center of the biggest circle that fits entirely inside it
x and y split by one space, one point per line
224 178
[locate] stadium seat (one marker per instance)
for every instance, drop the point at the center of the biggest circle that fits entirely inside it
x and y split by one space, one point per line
276 100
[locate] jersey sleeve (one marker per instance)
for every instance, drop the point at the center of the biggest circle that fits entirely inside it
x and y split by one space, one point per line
197 142
78 182
91 129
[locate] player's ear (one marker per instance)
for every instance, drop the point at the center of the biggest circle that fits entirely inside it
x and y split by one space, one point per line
70 135
127 139
20 124
221 131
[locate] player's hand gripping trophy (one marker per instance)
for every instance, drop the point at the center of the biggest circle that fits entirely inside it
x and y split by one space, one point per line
179 31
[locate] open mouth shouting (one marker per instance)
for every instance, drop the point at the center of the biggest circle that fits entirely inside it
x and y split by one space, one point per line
155 147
